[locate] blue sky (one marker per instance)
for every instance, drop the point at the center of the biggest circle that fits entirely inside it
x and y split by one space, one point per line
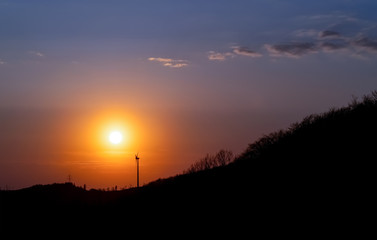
218 74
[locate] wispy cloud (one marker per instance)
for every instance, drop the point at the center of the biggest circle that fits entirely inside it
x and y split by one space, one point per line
335 33
175 64
332 46
169 62
294 49
36 53
367 44
236 51
2 62
302 33
244 51
216 56
163 60
335 17
329 34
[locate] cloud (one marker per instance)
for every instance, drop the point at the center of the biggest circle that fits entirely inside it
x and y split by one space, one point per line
237 51
216 56
367 44
306 33
329 34
338 17
294 50
245 52
169 62
335 33
332 46
175 65
163 60
2 62
36 53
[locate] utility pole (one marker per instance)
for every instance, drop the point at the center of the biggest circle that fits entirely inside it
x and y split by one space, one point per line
137 169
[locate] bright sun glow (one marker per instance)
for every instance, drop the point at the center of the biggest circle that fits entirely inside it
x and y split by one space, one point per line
115 137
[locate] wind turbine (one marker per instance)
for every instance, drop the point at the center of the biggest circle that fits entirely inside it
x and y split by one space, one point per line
137 168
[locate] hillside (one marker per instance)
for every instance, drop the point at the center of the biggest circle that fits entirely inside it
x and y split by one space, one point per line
317 177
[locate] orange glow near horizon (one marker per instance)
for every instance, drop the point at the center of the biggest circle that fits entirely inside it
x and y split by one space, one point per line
103 125
92 153
101 163
77 143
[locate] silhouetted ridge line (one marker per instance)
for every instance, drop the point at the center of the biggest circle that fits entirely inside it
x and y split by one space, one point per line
330 129
316 178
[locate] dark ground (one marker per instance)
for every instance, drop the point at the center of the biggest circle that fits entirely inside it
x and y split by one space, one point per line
314 180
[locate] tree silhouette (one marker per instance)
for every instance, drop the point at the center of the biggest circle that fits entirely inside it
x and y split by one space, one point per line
222 158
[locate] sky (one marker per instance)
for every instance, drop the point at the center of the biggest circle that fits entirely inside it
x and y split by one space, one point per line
178 78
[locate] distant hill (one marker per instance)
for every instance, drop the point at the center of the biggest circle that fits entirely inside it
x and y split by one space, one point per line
314 179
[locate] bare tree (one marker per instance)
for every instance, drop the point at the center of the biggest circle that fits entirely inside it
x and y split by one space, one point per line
222 158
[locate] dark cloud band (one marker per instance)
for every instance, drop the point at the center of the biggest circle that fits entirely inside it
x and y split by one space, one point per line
296 49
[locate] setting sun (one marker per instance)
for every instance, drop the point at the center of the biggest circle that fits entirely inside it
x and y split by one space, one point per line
115 137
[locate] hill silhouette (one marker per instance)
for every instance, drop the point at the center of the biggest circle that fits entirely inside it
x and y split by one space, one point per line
314 179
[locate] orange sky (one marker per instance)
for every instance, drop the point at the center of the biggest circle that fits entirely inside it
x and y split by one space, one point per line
77 144
60 130
180 78
45 146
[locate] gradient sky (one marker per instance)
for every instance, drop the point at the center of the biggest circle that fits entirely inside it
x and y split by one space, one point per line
180 78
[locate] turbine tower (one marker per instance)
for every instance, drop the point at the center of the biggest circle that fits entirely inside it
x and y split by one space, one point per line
137 168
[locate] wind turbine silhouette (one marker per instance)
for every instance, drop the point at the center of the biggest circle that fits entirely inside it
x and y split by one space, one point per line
137 168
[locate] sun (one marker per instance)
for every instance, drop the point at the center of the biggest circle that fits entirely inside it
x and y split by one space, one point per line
115 137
